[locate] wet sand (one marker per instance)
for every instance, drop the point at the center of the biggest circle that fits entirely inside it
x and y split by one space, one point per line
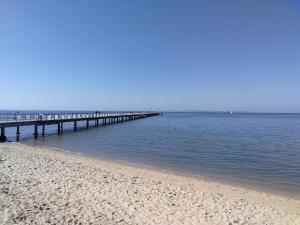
44 186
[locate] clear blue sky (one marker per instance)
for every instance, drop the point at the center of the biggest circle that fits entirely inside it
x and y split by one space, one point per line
142 54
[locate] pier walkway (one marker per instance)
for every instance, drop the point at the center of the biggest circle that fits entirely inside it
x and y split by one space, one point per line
41 120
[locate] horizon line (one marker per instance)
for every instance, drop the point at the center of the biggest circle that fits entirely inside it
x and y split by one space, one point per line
166 111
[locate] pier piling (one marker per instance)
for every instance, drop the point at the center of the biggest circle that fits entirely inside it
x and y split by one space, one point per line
2 136
43 130
18 133
58 128
75 126
36 131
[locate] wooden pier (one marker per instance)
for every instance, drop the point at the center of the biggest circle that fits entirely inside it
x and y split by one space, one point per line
41 120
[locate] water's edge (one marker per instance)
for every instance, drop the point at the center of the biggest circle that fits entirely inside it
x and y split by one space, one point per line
260 151
206 177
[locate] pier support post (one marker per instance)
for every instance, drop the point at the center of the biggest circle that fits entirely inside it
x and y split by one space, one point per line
75 126
43 130
35 131
61 127
18 133
87 124
2 136
58 128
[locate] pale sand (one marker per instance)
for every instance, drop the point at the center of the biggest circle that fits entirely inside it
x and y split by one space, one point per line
44 186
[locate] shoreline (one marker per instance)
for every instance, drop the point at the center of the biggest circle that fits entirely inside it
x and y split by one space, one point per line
236 182
138 195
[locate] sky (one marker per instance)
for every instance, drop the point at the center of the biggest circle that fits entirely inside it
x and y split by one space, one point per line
173 55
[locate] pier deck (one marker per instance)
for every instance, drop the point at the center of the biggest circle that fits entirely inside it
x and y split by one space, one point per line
36 120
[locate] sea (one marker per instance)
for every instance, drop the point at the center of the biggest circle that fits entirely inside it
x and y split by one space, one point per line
255 150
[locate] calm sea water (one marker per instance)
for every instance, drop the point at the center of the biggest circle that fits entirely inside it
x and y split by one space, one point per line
260 150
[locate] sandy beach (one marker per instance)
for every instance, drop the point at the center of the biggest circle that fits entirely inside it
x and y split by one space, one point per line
45 186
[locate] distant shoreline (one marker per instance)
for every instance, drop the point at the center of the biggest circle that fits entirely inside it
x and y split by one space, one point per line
49 185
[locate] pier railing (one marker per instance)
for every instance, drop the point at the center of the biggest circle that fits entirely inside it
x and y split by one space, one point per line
9 117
